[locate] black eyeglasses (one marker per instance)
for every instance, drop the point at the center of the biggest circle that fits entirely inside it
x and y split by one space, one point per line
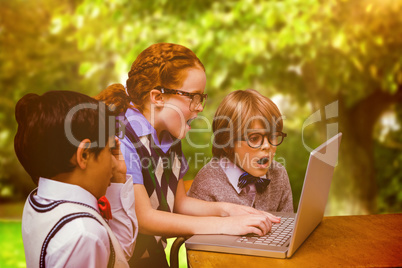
198 100
255 140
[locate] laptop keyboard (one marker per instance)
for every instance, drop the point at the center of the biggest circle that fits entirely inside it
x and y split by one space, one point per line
279 234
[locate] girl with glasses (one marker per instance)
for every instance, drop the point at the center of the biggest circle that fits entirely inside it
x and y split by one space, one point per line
165 92
248 130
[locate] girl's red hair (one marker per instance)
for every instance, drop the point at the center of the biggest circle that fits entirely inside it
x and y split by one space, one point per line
161 64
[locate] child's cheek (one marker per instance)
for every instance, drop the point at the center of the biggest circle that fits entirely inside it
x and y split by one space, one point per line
178 118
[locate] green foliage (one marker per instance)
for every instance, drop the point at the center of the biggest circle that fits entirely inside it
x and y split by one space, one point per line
389 169
244 41
390 178
313 51
34 58
12 253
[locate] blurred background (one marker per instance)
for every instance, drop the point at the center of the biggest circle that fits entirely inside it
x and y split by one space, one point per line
330 66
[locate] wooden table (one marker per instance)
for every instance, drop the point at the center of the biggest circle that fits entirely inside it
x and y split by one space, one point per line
372 240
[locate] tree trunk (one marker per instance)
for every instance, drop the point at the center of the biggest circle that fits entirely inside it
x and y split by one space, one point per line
354 188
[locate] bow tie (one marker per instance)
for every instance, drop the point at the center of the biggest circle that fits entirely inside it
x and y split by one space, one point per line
104 208
260 184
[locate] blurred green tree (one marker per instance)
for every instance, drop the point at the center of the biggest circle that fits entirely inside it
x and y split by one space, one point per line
318 52
340 52
34 58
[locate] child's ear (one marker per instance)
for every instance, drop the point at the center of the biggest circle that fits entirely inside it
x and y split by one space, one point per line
156 98
82 154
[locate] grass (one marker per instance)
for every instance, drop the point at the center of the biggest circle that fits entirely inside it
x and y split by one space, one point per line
12 249
182 253
12 254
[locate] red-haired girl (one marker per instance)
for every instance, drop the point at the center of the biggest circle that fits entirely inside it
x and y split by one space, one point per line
165 92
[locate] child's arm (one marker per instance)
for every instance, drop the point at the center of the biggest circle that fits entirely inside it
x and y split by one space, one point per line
193 206
124 221
121 197
119 165
155 222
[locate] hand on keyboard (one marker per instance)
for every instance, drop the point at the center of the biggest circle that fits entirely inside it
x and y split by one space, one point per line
258 224
278 236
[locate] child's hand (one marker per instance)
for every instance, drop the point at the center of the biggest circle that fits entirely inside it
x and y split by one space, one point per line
258 224
235 210
119 165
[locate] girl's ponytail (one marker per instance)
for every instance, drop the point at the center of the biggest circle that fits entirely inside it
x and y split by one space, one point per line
116 98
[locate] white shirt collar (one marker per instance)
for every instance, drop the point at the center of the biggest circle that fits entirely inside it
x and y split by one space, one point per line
233 172
55 190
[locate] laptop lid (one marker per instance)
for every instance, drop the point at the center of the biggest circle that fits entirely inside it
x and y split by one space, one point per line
314 196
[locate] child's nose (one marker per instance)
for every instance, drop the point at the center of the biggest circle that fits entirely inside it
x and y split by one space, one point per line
265 143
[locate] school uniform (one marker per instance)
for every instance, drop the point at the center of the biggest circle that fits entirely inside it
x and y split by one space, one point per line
62 226
218 181
158 165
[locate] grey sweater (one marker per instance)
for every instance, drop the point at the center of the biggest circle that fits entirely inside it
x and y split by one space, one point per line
212 184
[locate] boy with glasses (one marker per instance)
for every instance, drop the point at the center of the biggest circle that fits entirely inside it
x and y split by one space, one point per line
247 128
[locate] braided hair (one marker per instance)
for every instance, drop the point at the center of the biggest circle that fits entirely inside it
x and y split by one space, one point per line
162 64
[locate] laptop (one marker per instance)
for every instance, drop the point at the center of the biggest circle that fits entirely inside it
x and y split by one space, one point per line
287 236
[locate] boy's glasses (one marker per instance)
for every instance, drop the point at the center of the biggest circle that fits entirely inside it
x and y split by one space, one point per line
198 100
256 140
